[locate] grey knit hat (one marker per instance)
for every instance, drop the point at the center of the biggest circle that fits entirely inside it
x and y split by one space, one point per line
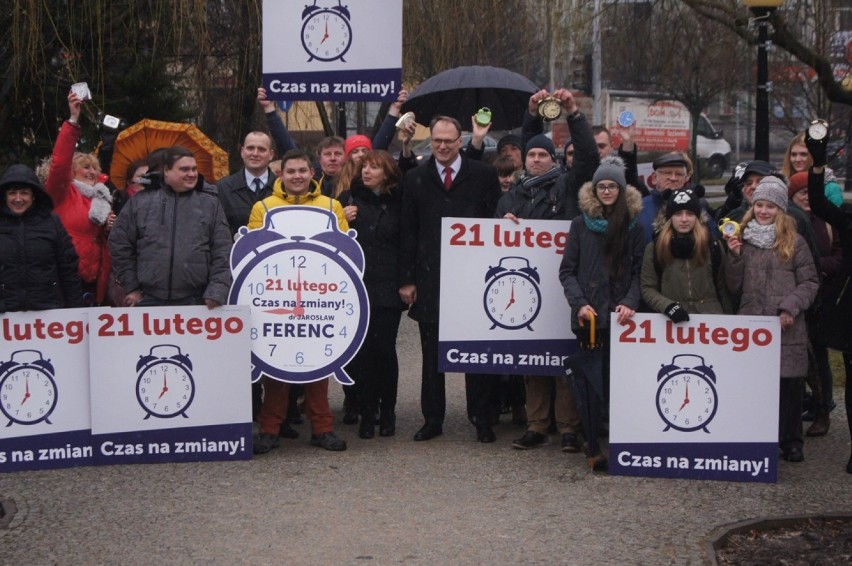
771 189
611 169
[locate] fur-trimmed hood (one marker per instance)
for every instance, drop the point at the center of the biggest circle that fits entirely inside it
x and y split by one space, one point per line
591 206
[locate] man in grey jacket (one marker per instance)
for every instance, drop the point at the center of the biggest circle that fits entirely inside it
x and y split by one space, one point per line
170 244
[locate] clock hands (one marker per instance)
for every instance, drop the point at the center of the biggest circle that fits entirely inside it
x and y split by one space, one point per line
686 398
27 390
511 297
299 310
165 386
326 34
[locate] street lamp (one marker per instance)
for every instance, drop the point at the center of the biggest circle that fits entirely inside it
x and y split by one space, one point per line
762 10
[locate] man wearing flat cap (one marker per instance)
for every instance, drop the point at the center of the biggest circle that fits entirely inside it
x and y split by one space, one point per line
672 171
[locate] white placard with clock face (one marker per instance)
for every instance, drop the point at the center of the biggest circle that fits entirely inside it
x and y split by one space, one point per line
170 384
44 390
332 49
503 310
302 278
697 399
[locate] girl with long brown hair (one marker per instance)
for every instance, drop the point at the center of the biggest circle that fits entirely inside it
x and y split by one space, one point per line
772 270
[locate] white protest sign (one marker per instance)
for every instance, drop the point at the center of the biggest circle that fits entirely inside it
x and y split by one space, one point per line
328 50
503 309
697 399
44 390
170 384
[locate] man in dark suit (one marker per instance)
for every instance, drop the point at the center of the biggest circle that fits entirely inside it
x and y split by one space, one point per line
447 185
252 183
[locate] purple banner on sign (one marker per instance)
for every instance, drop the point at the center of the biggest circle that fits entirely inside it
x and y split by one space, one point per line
517 357
46 451
191 444
372 84
736 461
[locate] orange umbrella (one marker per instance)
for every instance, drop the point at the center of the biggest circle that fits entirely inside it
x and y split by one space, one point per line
140 139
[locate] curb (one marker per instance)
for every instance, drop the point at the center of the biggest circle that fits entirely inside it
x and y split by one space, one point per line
720 535
7 512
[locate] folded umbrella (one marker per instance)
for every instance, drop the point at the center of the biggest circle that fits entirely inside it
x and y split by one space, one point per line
585 372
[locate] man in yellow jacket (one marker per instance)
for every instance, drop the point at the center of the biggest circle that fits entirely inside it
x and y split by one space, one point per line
296 187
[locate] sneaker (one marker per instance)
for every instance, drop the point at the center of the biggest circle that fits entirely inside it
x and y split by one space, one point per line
329 441
570 443
264 442
529 440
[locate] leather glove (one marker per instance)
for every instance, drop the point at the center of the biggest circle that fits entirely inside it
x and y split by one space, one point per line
734 187
676 313
818 150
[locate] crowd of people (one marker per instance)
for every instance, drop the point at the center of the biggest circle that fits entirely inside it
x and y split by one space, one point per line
785 250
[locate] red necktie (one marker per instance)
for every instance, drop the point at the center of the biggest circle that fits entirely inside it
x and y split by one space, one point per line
448 178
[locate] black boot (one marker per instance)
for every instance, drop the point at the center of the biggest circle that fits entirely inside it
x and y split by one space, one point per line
367 428
350 409
387 424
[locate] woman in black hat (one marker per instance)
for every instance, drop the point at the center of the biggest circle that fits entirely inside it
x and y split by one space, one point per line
682 270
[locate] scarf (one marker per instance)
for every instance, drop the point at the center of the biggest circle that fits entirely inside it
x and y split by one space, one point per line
758 235
682 246
532 183
101 204
599 225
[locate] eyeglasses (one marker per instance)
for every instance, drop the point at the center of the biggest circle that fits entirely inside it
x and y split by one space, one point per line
440 142
607 188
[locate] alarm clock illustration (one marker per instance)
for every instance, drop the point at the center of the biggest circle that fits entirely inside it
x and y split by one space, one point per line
28 391
165 387
326 32
512 298
310 309
686 397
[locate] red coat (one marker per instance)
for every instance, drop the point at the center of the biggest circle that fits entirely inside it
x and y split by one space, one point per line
72 207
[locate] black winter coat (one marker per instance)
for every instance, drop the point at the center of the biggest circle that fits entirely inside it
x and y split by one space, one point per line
379 228
584 271
38 264
838 301
554 201
425 202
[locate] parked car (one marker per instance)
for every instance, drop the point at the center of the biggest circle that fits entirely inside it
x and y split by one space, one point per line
714 151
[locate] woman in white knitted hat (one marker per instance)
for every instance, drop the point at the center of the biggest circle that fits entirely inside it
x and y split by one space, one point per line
770 267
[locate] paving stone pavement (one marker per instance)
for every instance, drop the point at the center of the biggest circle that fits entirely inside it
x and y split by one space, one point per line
394 501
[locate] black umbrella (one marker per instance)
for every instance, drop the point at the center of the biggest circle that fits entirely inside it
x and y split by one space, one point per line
460 92
585 374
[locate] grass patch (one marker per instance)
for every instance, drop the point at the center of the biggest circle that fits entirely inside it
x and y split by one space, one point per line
838 372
